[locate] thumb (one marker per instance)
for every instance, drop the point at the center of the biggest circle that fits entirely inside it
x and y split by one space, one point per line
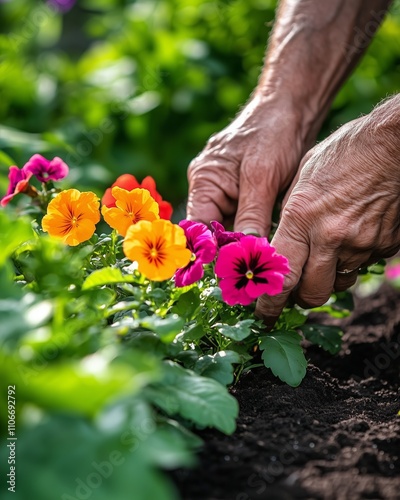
258 190
291 243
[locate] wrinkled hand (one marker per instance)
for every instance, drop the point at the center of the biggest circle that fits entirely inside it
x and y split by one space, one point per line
239 174
341 212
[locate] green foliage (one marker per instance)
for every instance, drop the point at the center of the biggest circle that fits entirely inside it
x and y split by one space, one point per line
239 331
198 399
283 354
329 337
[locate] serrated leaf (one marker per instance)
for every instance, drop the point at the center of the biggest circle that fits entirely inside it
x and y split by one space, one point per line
106 276
326 336
238 332
282 353
199 399
218 366
167 328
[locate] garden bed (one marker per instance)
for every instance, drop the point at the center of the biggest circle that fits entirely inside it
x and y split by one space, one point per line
334 437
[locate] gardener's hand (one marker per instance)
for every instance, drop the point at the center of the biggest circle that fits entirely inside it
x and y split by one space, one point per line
342 211
243 168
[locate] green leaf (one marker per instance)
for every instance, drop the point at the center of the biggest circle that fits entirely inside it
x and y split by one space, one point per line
167 328
218 366
293 318
328 337
282 353
83 387
187 304
201 400
66 457
19 316
238 332
106 276
193 333
13 233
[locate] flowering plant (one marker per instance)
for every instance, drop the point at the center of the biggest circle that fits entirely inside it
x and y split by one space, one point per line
146 320
216 272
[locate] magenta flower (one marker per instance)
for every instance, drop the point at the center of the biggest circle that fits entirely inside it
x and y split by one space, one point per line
201 243
249 268
392 271
47 170
222 236
19 182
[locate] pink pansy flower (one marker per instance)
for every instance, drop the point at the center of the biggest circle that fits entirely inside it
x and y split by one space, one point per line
19 181
249 268
201 243
222 236
47 170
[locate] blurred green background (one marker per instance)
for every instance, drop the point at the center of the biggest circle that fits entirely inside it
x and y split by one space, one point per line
117 86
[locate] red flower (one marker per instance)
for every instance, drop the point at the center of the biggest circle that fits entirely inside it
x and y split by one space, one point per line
129 182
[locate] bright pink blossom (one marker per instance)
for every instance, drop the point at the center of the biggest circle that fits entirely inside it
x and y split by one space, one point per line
19 180
249 268
392 271
223 237
46 170
201 243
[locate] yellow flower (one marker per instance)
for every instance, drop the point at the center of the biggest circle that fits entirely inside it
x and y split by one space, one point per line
159 248
131 207
72 216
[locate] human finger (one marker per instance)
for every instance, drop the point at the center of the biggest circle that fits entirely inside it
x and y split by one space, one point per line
258 190
211 191
291 243
318 277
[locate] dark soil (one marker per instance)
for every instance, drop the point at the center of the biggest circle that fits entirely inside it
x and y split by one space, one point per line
337 436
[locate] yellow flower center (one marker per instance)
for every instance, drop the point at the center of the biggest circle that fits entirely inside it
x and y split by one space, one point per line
193 257
74 221
249 275
153 253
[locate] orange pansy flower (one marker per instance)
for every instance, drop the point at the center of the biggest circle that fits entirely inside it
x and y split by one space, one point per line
129 182
72 216
159 248
131 207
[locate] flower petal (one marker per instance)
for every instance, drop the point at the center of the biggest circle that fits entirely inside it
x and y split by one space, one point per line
71 216
233 295
193 272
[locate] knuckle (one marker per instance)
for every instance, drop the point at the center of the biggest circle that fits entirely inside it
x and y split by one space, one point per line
291 281
308 300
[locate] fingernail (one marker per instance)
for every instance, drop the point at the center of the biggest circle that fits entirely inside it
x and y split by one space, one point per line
251 231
